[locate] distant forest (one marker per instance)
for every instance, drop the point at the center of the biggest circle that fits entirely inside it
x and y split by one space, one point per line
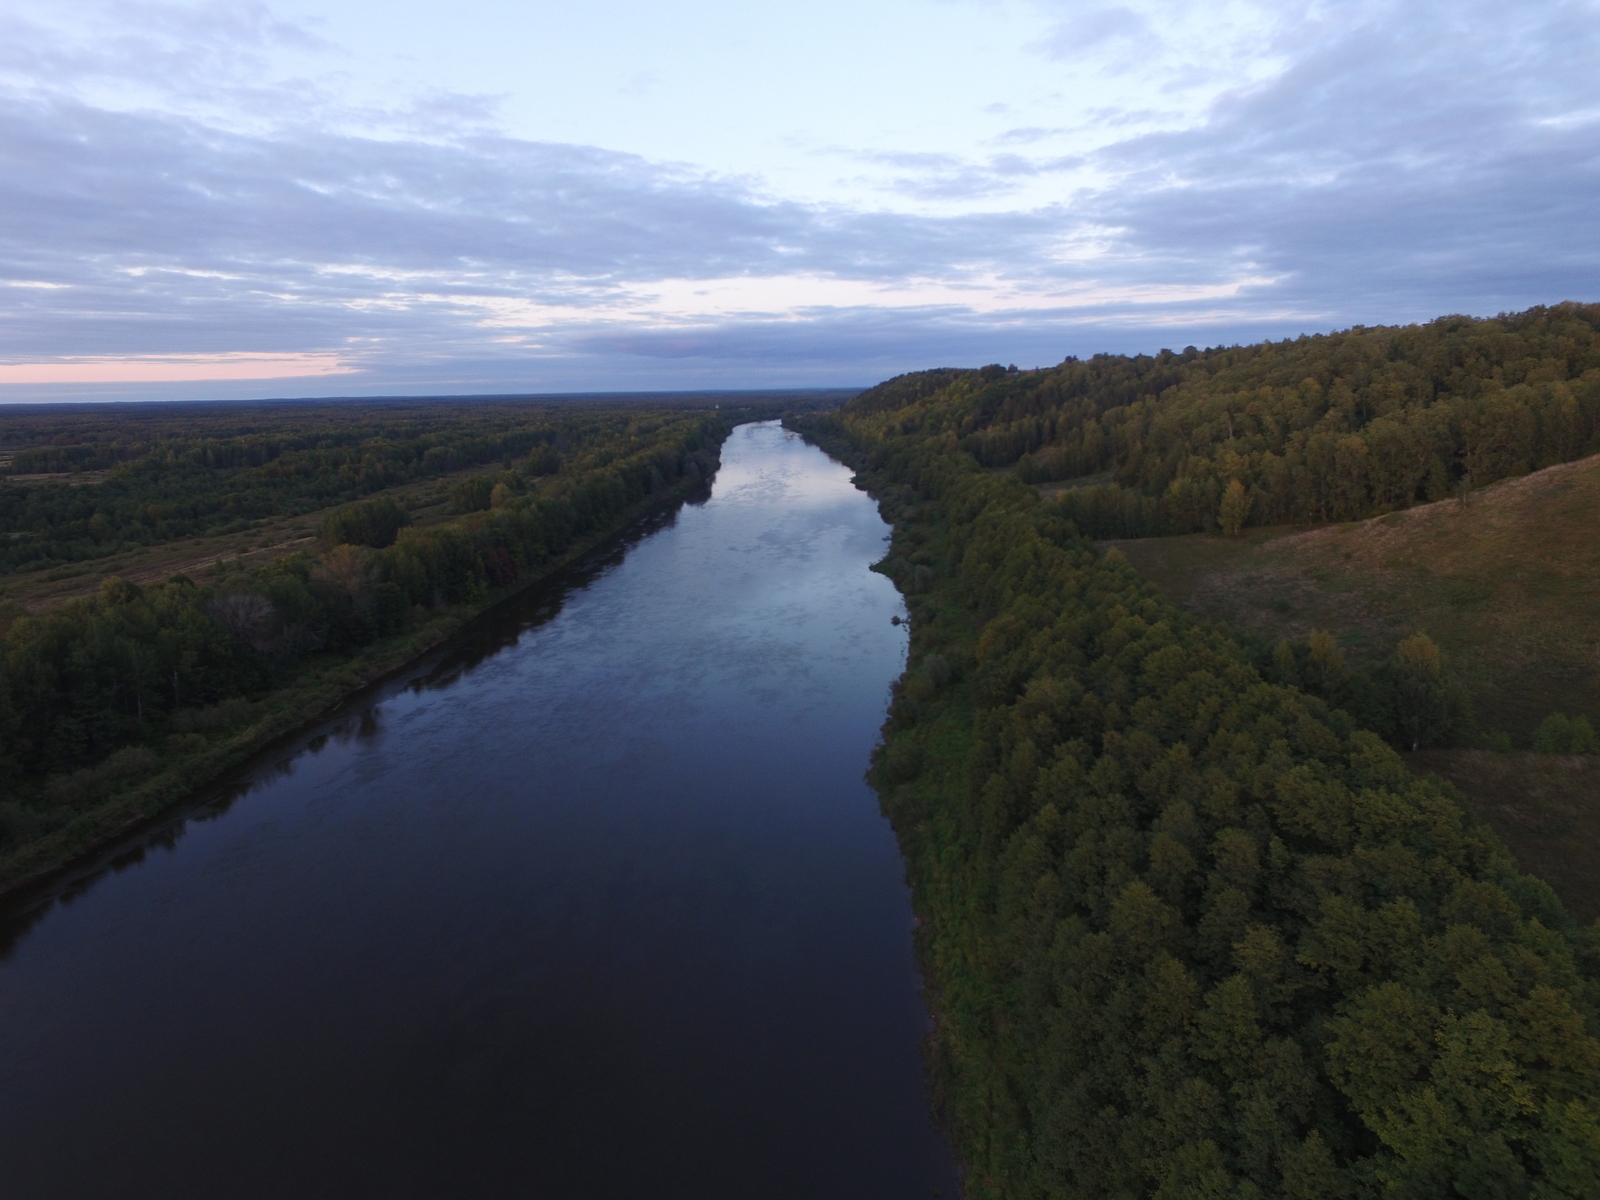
1189 929
204 469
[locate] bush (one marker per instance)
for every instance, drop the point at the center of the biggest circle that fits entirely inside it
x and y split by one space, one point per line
90 785
901 762
1560 734
374 523
472 495
226 714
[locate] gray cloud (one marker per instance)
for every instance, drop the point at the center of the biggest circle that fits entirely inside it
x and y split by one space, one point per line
1387 173
1408 161
1085 31
169 236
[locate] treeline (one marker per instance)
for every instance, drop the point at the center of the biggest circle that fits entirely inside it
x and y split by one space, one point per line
1325 428
1189 930
107 688
184 471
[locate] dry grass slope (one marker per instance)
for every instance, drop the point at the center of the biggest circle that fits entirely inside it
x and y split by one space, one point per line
1545 807
1508 585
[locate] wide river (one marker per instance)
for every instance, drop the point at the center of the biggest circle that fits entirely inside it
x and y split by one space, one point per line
594 903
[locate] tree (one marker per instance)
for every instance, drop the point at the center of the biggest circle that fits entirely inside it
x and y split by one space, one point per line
372 523
1325 671
349 568
472 495
1284 663
1425 704
1234 509
1560 734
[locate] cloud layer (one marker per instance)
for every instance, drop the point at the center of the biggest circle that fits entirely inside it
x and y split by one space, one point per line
1398 161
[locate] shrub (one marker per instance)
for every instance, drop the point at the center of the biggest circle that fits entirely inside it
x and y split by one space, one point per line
374 523
1560 734
472 495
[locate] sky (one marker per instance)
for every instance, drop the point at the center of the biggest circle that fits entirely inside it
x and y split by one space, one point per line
233 198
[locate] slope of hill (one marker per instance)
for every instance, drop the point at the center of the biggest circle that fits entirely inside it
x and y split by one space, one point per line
1544 807
1189 930
1320 428
1507 583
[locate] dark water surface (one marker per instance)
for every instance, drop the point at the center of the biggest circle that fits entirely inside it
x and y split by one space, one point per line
594 905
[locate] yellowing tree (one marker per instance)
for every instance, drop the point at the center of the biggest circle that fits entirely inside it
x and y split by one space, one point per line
1422 697
1234 509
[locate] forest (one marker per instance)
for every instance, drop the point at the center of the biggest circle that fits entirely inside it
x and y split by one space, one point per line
1326 428
145 689
1188 924
84 485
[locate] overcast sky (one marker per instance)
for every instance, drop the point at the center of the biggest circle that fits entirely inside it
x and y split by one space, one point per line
360 197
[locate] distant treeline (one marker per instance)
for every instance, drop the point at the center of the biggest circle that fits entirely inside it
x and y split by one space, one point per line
191 471
1325 428
1187 928
106 688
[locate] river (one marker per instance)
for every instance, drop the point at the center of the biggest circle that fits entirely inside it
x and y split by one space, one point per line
593 903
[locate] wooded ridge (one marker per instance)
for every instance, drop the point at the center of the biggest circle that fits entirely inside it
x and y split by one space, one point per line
1325 428
1189 932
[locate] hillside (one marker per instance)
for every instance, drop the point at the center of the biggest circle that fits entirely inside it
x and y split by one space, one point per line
1324 428
1189 929
1508 584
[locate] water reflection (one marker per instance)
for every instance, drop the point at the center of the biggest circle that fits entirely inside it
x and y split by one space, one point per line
595 903
489 634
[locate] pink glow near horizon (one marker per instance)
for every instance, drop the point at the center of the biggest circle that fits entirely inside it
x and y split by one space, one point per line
176 368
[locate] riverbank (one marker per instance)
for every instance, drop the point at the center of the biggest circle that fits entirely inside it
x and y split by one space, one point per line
322 689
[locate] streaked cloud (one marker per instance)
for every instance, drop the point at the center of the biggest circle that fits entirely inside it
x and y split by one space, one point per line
176 203
173 368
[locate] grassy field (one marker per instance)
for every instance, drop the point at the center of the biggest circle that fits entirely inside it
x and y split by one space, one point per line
1508 584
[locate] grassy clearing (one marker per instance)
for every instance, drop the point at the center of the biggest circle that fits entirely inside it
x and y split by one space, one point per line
70 478
1508 585
1051 490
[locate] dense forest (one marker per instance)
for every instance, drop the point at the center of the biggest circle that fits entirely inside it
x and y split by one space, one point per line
1188 928
102 692
1321 428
